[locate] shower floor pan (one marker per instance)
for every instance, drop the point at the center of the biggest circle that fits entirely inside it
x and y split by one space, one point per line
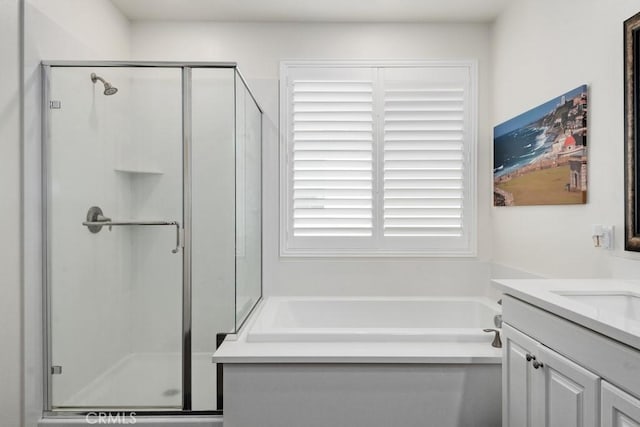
148 381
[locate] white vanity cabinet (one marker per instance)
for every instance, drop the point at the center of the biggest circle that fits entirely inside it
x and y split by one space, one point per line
542 388
570 394
556 373
518 378
619 409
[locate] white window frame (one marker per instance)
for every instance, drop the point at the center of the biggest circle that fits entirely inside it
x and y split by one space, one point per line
402 250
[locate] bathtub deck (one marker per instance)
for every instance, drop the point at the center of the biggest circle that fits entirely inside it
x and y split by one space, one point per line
240 349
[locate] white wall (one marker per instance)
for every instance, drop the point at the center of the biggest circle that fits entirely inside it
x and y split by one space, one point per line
95 30
76 30
258 49
541 49
10 256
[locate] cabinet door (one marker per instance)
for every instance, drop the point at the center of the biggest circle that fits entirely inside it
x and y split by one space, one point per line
518 381
570 393
619 409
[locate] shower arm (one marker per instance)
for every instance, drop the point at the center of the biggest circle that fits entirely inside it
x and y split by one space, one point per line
107 222
95 77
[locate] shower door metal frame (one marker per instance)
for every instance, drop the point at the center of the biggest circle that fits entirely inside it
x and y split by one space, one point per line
186 246
186 68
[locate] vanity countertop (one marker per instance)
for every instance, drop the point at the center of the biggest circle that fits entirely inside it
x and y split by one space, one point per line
546 294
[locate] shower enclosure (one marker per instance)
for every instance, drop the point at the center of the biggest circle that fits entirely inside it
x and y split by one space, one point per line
152 230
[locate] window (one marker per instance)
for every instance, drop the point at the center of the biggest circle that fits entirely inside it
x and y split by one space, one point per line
377 159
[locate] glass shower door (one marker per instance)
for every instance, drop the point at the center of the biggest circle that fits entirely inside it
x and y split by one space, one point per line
114 182
248 202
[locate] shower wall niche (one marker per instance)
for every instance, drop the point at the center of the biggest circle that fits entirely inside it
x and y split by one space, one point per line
138 290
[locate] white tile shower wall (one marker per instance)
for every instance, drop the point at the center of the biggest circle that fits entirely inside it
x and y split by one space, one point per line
542 48
156 146
10 285
52 31
258 49
213 194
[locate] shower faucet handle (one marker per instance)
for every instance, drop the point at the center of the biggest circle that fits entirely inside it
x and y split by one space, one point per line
102 218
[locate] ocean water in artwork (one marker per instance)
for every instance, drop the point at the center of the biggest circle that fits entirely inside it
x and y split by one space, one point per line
519 148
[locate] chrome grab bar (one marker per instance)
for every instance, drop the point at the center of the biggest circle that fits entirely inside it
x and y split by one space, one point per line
95 222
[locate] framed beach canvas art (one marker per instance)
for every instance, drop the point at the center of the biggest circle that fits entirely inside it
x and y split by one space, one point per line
540 157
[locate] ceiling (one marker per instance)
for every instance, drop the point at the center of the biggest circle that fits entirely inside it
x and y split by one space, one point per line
313 11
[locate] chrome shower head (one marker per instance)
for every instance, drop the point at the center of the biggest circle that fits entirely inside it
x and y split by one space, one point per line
108 88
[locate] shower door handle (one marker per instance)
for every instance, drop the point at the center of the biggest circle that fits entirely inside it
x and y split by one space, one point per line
100 224
95 222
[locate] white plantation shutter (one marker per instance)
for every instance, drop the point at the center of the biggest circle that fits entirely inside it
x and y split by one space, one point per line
377 159
332 160
424 153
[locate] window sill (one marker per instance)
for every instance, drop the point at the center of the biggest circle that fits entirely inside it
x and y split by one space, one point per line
302 253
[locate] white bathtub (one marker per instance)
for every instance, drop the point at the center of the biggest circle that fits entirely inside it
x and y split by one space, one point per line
373 319
374 362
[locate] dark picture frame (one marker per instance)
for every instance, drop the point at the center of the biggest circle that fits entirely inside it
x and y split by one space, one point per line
631 132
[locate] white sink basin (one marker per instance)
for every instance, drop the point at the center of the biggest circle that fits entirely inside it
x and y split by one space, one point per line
625 304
